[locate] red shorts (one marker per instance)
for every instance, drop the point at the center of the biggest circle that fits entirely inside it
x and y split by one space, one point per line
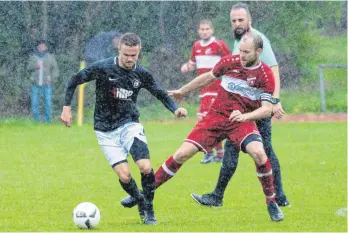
214 128
206 102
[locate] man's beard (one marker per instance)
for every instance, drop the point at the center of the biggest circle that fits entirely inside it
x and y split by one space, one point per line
253 62
239 36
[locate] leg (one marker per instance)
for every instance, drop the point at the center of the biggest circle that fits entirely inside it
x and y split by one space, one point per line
116 155
35 98
209 155
140 153
219 152
199 139
228 168
47 102
253 146
265 128
173 163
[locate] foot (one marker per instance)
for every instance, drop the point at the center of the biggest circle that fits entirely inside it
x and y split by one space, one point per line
209 199
217 159
128 202
149 218
208 157
282 201
275 213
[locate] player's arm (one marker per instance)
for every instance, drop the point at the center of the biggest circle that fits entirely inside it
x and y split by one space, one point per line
262 112
200 81
269 58
277 107
191 64
188 66
83 76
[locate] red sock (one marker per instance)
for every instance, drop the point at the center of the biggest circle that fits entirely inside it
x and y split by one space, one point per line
219 146
219 150
264 173
166 171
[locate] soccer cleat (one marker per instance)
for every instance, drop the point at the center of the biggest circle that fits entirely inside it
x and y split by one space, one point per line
209 199
128 202
275 213
217 159
149 218
208 157
282 201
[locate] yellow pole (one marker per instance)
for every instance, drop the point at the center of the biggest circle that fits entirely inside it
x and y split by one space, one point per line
80 99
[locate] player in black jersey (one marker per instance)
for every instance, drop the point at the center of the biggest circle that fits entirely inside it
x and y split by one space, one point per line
116 118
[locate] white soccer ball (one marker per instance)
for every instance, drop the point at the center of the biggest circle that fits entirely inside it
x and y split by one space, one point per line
86 215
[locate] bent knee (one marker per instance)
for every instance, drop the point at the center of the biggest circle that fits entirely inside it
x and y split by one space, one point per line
259 156
124 174
145 167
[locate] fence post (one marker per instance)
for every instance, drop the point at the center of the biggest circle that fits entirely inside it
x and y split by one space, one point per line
321 68
322 89
80 99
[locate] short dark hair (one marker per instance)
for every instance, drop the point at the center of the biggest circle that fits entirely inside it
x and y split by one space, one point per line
206 21
257 39
241 5
130 39
41 42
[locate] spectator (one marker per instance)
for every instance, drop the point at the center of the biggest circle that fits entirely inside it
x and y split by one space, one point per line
44 69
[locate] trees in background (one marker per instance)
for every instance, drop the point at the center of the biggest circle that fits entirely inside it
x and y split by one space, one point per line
167 29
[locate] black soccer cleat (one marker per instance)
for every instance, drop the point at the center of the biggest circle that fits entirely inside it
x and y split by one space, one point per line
282 201
209 199
149 218
128 202
275 213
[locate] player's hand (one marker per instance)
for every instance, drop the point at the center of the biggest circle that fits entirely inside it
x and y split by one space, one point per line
278 111
180 112
185 68
237 116
66 116
176 94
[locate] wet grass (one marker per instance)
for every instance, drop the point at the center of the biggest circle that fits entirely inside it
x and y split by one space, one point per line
46 170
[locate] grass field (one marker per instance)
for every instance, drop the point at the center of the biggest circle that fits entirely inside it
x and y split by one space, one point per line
45 171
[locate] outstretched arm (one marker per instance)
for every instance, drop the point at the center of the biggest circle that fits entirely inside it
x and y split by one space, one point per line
200 81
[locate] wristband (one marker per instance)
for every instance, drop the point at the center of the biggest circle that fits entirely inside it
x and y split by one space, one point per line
276 100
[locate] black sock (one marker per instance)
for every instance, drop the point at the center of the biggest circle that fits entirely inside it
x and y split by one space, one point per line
148 184
131 188
228 167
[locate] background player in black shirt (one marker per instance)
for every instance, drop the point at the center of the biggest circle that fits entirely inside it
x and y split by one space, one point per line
116 118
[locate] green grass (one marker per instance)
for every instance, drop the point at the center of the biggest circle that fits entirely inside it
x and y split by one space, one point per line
46 170
306 97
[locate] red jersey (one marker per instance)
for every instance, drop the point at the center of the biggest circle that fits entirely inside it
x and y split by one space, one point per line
205 56
242 88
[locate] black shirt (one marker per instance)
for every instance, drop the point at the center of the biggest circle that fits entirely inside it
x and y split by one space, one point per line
116 91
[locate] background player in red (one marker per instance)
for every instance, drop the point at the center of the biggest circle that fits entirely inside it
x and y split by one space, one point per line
245 95
205 53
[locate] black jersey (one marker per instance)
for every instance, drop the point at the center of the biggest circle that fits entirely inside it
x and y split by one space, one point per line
116 91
